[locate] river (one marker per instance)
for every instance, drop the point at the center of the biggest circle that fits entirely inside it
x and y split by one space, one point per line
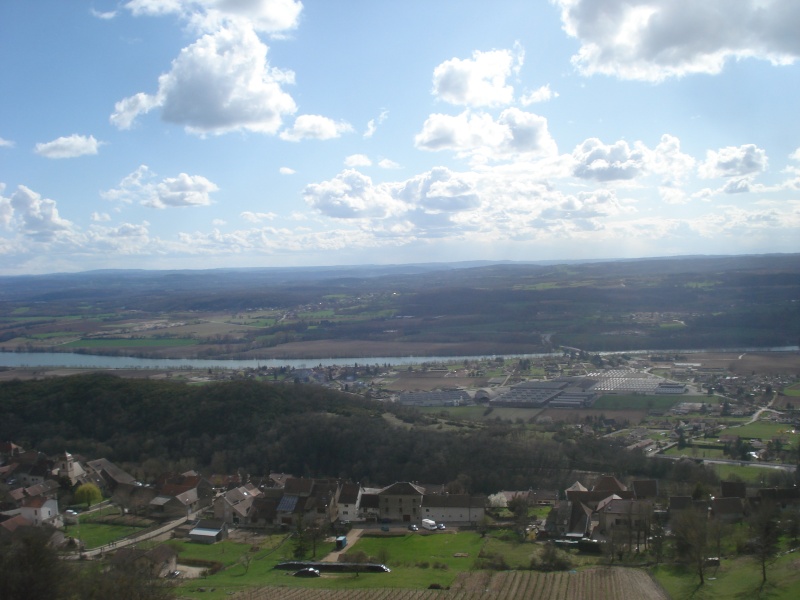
92 361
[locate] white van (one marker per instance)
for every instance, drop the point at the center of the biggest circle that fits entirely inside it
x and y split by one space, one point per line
429 524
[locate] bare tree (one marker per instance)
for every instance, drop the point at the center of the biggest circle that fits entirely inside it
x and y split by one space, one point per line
691 532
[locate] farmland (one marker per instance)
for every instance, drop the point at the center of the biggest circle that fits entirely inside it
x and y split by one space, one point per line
616 583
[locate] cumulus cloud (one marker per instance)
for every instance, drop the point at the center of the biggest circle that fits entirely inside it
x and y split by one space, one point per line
386 163
315 127
542 94
35 217
514 132
476 81
220 83
286 171
68 147
352 195
357 160
734 161
652 40
183 190
6 143
602 162
98 217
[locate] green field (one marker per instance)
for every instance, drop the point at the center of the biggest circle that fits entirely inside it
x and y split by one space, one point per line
131 343
735 578
792 390
95 535
635 402
764 430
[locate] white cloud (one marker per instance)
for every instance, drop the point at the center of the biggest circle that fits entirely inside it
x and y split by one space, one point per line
601 162
542 94
218 222
315 127
269 16
372 124
36 217
68 147
183 190
100 217
673 165
286 171
357 160
652 40
257 217
734 161
352 195
386 163
6 143
220 83
479 81
514 132
105 16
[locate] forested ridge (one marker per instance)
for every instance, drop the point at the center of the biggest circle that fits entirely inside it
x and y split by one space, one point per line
260 427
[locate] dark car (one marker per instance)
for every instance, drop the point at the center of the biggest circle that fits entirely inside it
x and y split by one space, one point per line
307 572
440 526
413 527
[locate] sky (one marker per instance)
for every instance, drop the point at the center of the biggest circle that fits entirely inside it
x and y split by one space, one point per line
172 134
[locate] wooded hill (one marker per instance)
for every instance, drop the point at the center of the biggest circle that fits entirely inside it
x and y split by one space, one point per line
670 303
155 426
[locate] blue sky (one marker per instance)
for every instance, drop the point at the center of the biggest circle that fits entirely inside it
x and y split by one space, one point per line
164 134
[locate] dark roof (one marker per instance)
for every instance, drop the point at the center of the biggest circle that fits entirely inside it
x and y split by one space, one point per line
645 488
727 506
680 502
288 503
733 489
608 483
349 493
369 501
298 486
402 488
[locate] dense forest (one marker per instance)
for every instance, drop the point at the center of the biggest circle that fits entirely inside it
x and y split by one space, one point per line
154 426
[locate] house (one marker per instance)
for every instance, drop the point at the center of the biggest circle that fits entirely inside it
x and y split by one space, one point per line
632 517
401 502
645 489
307 500
234 506
348 505
454 508
733 489
39 511
208 531
181 495
156 562
108 476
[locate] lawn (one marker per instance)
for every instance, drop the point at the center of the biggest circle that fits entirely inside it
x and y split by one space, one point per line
95 535
735 578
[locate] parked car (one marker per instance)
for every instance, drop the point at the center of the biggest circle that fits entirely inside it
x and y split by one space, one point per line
440 526
413 527
307 572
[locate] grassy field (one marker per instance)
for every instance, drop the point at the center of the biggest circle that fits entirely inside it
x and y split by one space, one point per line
131 343
763 430
95 535
635 402
736 578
